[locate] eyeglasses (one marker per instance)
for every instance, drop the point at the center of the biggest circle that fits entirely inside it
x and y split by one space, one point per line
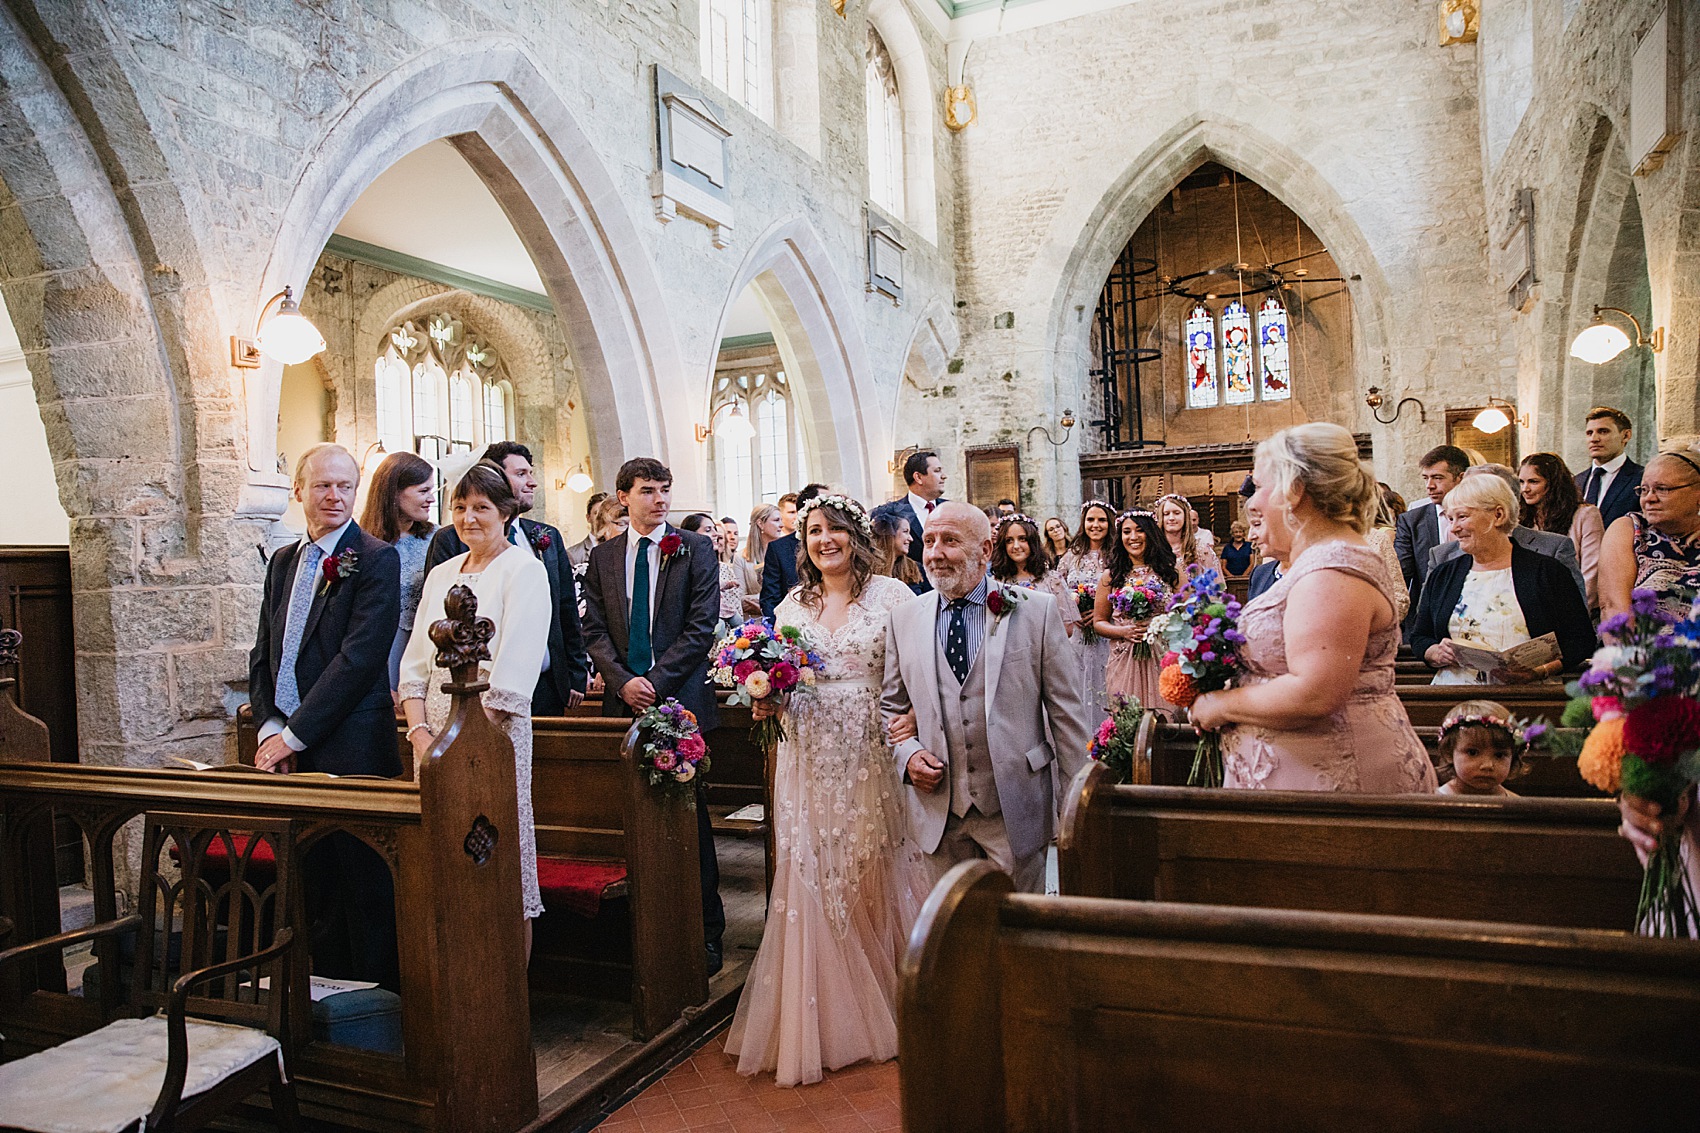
1647 491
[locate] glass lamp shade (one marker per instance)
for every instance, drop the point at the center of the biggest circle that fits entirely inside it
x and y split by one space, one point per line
1490 421
1599 343
580 481
736 429
289 336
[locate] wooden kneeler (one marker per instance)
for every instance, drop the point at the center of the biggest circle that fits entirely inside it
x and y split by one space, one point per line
469 809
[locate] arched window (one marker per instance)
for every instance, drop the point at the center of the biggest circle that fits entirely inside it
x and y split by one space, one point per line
1200 358
495 412
1272 350
761 468
736 48
1236 354
885 127
439 389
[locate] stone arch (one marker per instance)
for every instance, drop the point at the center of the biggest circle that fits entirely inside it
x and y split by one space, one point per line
919 95
812 315
493 104
1679 388
1080 256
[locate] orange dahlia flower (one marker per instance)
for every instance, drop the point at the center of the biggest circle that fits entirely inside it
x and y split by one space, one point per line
1176 687
1601 761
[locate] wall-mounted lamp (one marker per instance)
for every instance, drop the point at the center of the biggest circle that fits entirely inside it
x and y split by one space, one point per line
375 454
1067 424
1494 418
580 480
735 430
1374 400
1600 342
288 336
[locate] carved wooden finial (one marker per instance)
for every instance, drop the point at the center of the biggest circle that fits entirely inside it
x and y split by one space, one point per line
462 640
10 639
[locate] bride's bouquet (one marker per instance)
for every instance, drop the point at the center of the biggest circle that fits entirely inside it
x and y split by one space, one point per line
758 662
1642 695
1137 602
1203 655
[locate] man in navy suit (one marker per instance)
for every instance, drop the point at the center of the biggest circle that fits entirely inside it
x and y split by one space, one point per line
1610 480
924 474
565 669
779 567
318 682
1423 527
652 608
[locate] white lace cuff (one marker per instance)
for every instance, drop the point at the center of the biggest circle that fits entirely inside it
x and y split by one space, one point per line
412 690
513 703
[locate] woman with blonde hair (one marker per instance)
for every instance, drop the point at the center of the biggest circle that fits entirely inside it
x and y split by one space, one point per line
1180 526
766 525
1315 709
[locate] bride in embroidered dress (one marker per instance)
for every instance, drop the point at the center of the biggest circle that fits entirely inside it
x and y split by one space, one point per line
847 884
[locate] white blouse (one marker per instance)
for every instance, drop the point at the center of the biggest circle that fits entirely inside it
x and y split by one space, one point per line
513 592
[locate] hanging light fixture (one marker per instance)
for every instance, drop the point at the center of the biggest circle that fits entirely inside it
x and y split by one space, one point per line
287 336
1600 341
580 480
734 430
1494 418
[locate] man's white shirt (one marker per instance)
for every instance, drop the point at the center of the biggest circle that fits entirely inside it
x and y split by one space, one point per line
654 537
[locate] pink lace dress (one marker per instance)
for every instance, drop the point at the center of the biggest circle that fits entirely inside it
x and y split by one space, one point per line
1367 745
847 882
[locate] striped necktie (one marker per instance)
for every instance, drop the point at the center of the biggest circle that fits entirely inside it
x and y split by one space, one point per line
288 697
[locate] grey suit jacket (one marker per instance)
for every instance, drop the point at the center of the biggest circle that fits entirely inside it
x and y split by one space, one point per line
1548 543
1035 713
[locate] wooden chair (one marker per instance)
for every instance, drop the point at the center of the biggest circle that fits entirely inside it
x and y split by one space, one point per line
206 1023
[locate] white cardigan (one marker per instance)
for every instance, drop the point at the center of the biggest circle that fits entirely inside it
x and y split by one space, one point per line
513 592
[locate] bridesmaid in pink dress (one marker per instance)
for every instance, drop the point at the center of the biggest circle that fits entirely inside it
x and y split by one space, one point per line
1316 710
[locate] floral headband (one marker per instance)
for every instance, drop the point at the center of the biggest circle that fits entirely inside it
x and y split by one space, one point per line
1018 517
1176 496
1134 513
1523 733
1096 503
842 503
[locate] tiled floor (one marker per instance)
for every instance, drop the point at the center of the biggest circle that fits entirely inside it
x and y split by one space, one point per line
706 1093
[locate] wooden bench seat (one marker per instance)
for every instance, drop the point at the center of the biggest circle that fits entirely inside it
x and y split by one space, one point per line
1028 1014
1530 861
1428 704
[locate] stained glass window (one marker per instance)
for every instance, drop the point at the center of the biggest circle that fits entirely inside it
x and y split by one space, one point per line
1200 358
1275 365
1236 354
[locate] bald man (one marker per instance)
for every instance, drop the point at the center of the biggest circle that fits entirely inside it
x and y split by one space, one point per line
996 694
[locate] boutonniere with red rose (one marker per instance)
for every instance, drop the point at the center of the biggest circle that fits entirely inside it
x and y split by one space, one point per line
338 567
540 539
671 547
1001 601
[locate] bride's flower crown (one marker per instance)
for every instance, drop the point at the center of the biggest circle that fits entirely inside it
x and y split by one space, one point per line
845 504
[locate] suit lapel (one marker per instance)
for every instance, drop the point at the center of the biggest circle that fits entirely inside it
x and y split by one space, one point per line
614 602
992 649
321 593
665 570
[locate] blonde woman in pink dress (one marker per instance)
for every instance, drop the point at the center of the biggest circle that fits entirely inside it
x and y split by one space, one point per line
847 882
1316 710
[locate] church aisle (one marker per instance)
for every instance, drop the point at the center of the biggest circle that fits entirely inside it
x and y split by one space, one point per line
706 1093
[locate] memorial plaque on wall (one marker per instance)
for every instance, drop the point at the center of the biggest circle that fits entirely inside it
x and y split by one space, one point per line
994 473
1493 448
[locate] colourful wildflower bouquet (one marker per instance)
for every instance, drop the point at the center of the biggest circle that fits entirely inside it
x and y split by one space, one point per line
1641 693
673 752
758 662
1086 601
1137 602
1113 745
1203 656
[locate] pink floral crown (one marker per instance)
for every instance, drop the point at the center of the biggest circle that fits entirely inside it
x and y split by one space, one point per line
1096 503
1523 733
1134 512
1018 517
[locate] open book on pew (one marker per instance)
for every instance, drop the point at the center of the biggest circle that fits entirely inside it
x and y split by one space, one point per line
1528 655
178 763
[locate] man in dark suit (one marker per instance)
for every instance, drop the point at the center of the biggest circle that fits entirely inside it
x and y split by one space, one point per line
565 671
652 606
779 567
318 682
1423 527
1610 480
923 473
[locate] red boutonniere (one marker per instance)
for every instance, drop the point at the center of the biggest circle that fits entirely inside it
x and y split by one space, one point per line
338 567
1001 601
540 540
671 546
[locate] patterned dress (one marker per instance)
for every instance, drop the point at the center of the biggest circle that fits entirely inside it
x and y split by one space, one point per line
1367 744
847 882
1078 570
1137 676
1667 566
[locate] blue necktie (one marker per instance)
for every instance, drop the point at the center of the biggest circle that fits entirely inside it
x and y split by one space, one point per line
956 641
1595 475
639 656
288 697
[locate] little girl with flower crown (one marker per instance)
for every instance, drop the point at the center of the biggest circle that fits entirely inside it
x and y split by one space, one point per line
1479 749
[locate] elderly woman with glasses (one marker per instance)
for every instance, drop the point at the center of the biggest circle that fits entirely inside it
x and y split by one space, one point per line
1659 548
1496 594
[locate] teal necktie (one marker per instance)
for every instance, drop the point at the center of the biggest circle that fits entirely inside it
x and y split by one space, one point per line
638 654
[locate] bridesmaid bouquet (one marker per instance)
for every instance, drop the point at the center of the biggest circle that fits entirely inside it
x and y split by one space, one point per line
673 752
1113 745
1137 602
1086 601
758 662
1642 695
1203 656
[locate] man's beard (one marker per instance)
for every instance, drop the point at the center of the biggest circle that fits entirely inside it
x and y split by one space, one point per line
955 580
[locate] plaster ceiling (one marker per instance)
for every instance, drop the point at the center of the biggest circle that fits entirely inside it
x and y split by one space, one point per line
10 347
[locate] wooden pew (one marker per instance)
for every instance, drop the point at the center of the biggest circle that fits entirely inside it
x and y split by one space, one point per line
1428 704
1529 861
1168 749
1032 1014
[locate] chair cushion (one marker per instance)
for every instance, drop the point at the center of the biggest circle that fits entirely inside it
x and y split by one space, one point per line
106 1081
575 884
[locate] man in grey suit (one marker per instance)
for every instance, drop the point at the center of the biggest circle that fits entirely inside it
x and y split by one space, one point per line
996 695
1423 528
1548 543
